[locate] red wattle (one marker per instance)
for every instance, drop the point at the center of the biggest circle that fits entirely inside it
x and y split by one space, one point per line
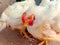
23 17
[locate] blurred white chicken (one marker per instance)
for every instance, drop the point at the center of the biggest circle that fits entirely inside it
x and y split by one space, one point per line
39 20
12 15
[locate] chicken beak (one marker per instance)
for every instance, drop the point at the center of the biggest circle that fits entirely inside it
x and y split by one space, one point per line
25 24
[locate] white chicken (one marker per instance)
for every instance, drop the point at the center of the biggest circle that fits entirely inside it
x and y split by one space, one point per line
39 20
12 15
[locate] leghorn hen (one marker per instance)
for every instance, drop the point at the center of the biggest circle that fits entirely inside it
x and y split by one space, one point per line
40 21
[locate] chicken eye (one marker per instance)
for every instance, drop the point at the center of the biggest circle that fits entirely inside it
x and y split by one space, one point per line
37 2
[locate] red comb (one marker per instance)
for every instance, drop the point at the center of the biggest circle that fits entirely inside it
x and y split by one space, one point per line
28 19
